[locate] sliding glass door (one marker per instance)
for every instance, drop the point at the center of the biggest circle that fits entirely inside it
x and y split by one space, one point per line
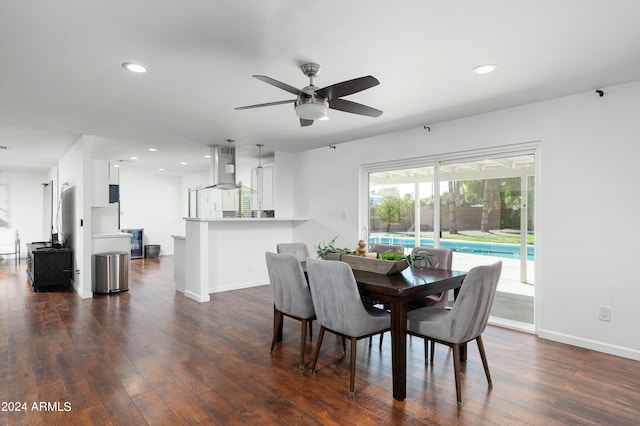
487 215
482 208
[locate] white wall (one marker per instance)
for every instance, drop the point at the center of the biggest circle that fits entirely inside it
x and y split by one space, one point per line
586 239
25 206
71 171
151 201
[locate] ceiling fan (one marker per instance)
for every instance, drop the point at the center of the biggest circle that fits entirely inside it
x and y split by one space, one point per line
313 102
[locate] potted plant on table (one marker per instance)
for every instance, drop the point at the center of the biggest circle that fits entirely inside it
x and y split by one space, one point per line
329 251
423 259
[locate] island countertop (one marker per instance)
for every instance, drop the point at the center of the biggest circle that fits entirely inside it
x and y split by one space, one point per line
245 219
112 235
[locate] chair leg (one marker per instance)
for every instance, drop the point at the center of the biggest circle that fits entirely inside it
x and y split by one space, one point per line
310 327
317 350
483 355
276 327
303 341
456 372
344 346
433 350
352 367
426 350
381 336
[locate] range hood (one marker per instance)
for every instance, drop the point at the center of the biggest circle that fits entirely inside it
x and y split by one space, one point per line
223 167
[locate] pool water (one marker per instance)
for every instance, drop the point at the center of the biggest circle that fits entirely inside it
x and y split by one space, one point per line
509 251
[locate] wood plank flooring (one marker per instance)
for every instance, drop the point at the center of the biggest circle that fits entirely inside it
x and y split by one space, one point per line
152 356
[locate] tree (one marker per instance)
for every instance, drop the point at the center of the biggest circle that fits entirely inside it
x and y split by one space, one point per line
453 224
492 193
390 210
484 223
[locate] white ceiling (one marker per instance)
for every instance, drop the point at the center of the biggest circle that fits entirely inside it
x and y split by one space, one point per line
61 74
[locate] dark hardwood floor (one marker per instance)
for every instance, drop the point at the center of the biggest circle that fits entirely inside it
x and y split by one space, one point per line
152 356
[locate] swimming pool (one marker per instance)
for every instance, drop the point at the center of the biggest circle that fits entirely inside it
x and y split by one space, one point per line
510 251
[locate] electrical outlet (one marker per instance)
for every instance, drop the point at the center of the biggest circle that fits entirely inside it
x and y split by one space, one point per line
604 313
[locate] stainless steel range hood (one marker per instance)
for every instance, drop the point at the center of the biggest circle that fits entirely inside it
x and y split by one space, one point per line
223 167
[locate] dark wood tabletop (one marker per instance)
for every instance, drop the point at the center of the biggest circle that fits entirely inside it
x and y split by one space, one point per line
411 283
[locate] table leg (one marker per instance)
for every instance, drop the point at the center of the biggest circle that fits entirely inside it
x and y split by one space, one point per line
399 348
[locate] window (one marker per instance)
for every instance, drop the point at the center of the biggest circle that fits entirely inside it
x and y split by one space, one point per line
481 206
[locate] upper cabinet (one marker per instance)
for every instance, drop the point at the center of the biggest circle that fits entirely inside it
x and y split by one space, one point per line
105 181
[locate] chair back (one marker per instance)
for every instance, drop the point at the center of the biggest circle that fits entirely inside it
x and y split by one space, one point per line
470 312
444 256
337 300
382 248
299 250
291 294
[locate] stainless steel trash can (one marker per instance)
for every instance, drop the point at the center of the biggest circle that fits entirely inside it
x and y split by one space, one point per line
111 272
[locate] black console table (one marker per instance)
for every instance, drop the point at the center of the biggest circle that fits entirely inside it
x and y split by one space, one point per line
49 266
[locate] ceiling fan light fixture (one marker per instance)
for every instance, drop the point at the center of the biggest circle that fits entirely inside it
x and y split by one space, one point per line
133 67
312 108
484 68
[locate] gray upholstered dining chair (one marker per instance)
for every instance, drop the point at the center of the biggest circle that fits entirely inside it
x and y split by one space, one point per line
443 259
465 321
380 248
440 258
299 250
339 309
291 295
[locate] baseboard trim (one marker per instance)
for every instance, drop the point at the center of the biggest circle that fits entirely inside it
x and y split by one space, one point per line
607 348
197 297
220 289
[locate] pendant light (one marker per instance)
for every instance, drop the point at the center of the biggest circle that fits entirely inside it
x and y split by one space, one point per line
259 169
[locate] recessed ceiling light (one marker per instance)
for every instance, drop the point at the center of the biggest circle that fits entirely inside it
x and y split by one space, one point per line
116 165
183 163
133 158
162 170
207 156
133 67
484 68
152 149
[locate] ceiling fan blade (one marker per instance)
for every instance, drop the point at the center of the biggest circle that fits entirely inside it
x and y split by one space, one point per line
348 87
279 84
354 108
305 123
267 104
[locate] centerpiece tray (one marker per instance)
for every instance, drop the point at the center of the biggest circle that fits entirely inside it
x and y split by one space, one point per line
378 266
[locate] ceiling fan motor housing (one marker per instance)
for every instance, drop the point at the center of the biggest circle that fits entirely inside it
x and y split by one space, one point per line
311 107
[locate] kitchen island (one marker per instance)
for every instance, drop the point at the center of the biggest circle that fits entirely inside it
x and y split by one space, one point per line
222 254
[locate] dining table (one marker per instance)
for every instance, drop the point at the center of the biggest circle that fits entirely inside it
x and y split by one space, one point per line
396 291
